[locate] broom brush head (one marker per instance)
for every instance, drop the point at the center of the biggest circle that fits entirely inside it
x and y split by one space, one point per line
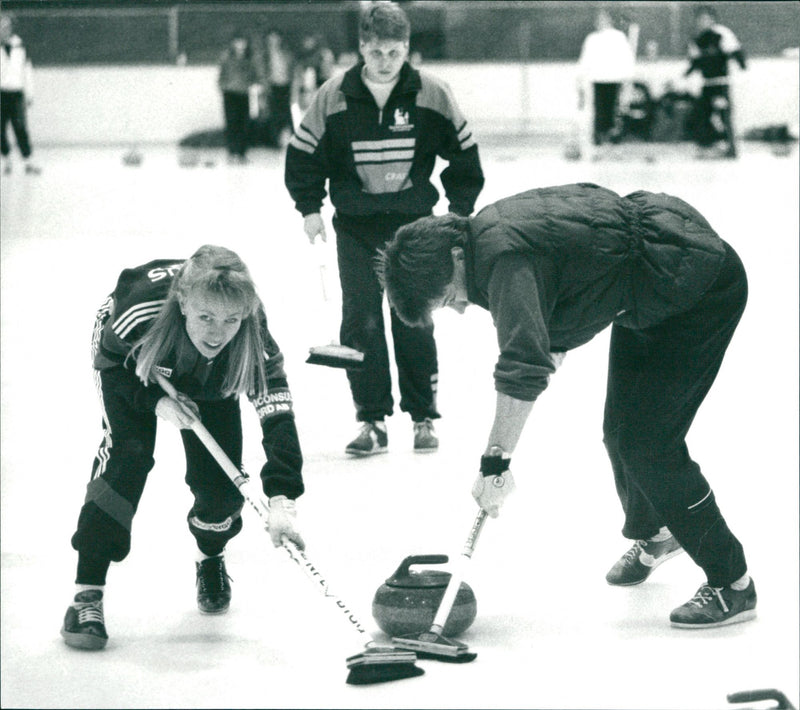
335 355
433 646
381 664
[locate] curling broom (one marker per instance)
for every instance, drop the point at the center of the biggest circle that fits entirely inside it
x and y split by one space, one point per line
431 644
332 354
376 664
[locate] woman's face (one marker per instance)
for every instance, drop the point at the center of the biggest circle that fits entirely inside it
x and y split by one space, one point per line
211 322
383 59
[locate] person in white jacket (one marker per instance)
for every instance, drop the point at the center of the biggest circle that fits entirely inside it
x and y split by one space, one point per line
16 94
606 62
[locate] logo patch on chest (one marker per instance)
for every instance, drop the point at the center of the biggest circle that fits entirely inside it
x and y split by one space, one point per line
401 121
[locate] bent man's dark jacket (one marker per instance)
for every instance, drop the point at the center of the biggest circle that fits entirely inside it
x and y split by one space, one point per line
557 265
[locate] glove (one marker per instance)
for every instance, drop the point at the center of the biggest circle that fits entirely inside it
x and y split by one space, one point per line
282 515
494 484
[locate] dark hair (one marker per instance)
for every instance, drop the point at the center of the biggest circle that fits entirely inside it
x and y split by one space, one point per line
705 10
384 21
416 266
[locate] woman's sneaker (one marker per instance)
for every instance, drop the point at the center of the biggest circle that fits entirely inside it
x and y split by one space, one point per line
213 586
637 563
425 440
372 439
84 626
716 606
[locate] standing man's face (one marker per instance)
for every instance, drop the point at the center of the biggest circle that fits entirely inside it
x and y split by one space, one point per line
383 59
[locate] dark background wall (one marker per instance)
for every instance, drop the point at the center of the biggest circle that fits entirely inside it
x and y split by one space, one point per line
62 32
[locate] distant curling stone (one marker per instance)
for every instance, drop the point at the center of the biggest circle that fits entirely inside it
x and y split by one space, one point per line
572 151
132 158
188 159
407 602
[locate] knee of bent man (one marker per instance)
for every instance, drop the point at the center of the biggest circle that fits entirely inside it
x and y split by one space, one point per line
636 447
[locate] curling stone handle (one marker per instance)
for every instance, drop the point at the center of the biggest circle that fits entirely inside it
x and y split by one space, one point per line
403 570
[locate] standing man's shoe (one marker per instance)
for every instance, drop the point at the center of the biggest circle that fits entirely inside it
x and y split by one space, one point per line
372 439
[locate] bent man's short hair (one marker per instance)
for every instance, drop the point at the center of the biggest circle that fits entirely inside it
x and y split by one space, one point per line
416 266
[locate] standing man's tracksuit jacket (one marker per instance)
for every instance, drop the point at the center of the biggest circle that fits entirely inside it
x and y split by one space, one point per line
379 164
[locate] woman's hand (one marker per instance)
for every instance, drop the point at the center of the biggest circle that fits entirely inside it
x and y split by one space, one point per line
180 413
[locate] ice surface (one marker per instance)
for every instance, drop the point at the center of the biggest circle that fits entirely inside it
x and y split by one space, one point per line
550 633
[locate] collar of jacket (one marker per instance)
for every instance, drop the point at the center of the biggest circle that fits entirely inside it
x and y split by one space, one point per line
353 86
473 295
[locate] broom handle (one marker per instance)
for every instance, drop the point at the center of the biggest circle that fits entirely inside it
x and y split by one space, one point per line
457 576
329 312
242 481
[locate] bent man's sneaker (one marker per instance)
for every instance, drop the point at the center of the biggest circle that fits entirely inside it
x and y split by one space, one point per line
213 586
637 563
425 439
716 606
84 625
372 439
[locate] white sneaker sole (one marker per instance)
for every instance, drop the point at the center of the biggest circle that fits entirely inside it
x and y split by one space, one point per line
87 642
748 615
363 454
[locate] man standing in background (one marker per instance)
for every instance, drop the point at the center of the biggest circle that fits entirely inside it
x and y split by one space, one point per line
16 94
606 63
709 53
237 73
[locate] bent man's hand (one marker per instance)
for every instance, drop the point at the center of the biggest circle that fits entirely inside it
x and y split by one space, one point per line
491 491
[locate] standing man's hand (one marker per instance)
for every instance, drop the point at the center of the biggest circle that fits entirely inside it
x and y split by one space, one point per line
314 227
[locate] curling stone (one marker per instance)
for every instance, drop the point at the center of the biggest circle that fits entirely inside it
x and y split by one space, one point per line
407 602
188 159
133 158
572 151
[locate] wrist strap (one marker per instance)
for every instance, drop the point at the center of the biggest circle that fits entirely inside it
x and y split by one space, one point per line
494 465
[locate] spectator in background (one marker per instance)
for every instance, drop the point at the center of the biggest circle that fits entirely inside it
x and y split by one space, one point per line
278 72
606 62
709 53
375 133
638 113
237 73
16 94
314 66
674 117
